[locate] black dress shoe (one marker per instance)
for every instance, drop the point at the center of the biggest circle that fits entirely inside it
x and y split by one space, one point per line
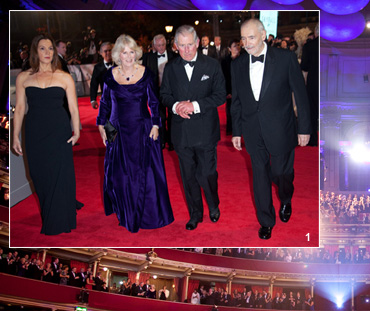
192 224
265 232
285 212
215 216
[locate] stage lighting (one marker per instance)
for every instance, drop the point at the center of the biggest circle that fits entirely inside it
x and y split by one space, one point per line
339 301
360 153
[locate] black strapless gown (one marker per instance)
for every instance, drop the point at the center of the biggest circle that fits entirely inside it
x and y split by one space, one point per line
47 129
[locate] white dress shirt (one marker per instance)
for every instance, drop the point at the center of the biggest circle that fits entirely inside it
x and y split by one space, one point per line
256 73
161 63
189 73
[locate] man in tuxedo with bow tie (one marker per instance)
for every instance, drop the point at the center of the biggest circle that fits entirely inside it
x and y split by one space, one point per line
263 80
207 49
156 63
193 86
100 70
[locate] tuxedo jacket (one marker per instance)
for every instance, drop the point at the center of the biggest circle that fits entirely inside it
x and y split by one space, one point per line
64 64
150 60
310 63
97 79
72 279
207 87
211 51
272 116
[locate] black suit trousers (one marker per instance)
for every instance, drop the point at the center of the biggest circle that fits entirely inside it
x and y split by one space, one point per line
198 167
165 129
269 168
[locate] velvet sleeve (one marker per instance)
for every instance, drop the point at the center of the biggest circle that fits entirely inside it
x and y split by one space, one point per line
105 106
153 103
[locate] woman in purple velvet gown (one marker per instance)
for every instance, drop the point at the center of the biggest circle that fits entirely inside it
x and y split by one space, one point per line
135 185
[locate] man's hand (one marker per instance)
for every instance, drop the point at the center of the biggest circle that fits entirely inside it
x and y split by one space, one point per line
303 140
184 108
94 104
237 142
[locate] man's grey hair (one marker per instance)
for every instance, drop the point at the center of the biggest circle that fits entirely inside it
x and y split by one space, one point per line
184 30
158 37
104 44
256 22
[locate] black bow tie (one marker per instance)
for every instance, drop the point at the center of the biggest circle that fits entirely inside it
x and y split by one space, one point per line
191 63
109 64
205 47
161 55
258 58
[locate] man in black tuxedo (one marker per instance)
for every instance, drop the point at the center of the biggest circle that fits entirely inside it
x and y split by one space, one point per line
82 278
207 49
193 87
62 50
221 50
56 270
74 278
99 71
156 63
263 80
310 65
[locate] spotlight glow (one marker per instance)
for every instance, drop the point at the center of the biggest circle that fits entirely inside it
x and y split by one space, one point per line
360 154
339 301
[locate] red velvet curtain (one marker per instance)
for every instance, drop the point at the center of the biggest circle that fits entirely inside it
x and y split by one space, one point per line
48 259
176 281
260 288
143 277
307 292
332 248
222 285
239 287
277 289
79 265
132 276
193 284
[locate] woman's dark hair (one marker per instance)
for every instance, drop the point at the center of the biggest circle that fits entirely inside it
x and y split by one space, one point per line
34 57
233 41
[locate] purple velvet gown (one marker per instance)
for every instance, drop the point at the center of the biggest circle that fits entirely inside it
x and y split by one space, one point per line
135 185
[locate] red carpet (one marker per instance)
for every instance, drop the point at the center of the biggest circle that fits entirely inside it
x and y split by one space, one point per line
237 226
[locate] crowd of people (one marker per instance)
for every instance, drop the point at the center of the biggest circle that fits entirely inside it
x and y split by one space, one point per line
248 299
343 208
58 273
86 53
312 255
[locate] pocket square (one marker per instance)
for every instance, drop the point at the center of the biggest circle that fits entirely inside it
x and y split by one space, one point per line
205 77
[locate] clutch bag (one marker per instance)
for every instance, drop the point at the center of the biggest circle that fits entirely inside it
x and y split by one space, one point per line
110 131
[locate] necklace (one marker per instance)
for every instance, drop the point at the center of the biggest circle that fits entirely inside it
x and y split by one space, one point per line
51 79
126 77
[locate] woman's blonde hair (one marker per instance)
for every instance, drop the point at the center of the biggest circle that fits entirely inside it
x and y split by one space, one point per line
122 42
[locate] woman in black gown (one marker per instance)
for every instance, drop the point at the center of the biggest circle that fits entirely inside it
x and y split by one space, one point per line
135 185
48 135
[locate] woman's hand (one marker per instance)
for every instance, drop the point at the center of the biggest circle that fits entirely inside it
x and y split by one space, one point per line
17 146
73 139
103 134
154 133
